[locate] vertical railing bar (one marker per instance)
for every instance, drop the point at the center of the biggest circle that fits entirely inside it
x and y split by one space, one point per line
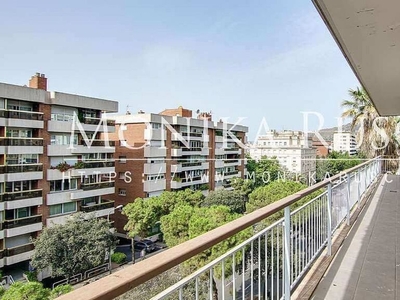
211 284
197 288
278 261
348 198
234 275
243 274
272 262
180 294
252 269
266 265
329 223
287 262
259 266
223 279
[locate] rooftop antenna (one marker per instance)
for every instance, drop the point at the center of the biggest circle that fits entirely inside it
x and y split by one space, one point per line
127 110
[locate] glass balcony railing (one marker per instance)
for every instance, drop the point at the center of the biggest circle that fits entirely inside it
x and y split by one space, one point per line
21 141
97 185
21 195
97 164
8 224
98 143
19 114
18 250
96 207
96 121
21 168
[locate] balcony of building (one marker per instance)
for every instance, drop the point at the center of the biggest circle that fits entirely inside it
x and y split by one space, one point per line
184 151
21 226
177 167
20 118
93 189
154 185
150 152
19 145
283 258
18 254
103 208
28 198
21 172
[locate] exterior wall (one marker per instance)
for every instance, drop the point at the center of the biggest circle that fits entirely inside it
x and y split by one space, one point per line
344 142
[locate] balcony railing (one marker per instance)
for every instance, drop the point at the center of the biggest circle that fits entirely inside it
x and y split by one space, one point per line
191 149
19 114
8 141
191 164
95 207
2 253
97 164
21 195
21 168
18 250
96 121
98 143
270 263
196 134
8 224
97 185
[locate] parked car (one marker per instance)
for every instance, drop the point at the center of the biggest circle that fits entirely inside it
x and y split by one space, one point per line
147 245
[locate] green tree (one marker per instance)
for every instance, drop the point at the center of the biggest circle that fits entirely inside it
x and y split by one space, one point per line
80 244
267 170
364 115
273 192
143 214
235 200
26 291
243 186
60 290
186 222
334 163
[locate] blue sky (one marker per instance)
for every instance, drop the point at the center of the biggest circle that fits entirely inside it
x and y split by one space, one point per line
254 59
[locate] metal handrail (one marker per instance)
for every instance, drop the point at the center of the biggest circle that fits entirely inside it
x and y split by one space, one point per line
139 273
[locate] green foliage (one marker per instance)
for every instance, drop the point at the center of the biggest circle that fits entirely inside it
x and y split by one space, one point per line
25 291
60 290
265 170
273 192
2 291
334 163
243 186
31 275
80 244
232 199
186 222
63 166
144 214
118 257
79 165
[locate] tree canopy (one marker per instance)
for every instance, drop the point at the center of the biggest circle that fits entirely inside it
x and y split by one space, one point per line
334 163
235 200
78 245
33 291
143 214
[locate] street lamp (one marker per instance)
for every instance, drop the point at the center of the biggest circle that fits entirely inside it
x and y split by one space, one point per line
108 220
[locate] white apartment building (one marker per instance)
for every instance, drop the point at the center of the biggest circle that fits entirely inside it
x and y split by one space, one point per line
293 151
344 142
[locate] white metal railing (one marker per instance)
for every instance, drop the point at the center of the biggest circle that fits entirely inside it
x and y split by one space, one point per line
268 265
273 261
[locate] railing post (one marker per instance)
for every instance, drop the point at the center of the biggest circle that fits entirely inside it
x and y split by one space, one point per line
287 264
348 198
329 225
358 177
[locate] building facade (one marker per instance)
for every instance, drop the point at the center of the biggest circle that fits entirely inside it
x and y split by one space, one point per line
172 151
48 171
344 142
291 148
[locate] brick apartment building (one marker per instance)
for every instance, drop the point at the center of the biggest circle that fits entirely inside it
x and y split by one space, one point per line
47 173
172 151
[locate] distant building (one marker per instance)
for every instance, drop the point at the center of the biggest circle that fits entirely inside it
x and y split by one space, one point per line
344 142
322 149
293 151
151 155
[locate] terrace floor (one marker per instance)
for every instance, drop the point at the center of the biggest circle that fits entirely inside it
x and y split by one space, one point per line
368 264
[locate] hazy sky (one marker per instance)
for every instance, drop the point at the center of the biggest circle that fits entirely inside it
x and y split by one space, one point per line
267 59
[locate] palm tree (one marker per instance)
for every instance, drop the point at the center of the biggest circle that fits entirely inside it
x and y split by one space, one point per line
376 135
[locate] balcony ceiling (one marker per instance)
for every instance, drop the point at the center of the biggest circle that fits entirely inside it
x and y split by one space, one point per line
368 33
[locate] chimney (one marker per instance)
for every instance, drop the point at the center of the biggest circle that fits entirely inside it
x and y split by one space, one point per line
38 81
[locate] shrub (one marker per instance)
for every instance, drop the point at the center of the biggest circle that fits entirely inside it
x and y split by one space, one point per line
60 290
118 257
31 276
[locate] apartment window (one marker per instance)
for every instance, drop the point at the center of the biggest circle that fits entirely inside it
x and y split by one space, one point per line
156 125
62 208
63 139
155 177
18 186
122 192
63 185
19 105
121 175
122 159
62 114
18 159
22 133
23 212
96 156
90 201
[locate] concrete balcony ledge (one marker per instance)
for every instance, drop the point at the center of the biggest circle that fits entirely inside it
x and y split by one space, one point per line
92 192
22 226
154 185
60 126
